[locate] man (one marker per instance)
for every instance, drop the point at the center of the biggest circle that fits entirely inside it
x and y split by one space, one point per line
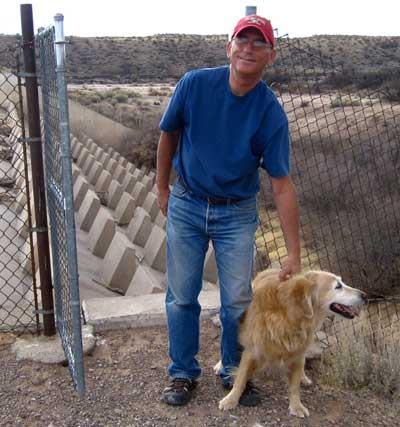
221 124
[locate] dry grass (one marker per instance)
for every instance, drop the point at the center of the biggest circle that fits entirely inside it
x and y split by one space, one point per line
366 357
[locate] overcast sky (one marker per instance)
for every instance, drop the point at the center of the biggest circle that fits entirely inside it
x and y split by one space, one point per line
298 18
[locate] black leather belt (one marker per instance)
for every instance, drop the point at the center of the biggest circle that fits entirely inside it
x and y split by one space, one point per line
213 201
210 200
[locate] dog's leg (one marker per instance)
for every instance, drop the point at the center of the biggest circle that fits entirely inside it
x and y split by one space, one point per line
217 367
304 378
246 368
295 373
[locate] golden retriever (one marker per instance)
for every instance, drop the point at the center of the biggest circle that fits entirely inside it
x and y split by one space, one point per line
280 324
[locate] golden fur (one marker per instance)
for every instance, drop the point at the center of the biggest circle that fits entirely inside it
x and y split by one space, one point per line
280 325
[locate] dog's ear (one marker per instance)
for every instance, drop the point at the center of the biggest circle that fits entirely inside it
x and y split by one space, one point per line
303 293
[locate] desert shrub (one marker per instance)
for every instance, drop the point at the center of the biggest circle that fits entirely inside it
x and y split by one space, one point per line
391 88
361 363
369 80
95 98
120 97
339 79
345 101
275 75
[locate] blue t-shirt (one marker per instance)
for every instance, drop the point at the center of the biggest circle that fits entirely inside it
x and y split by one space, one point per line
225 137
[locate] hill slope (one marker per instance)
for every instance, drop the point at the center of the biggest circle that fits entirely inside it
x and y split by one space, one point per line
166 57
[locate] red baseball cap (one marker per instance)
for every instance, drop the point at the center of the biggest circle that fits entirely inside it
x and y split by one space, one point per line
258 22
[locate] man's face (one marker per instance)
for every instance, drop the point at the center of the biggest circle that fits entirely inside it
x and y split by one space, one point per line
245 56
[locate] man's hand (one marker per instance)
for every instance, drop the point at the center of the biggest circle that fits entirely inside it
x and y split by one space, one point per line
290 267
163 197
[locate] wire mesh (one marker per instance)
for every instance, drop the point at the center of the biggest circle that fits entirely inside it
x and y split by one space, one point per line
345 133
59 198
18 295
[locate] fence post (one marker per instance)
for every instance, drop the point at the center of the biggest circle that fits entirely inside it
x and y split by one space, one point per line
38 186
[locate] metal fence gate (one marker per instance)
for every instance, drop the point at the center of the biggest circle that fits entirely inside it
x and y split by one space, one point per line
59 188
18 294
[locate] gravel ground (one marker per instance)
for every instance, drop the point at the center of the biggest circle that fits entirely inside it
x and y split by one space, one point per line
124 377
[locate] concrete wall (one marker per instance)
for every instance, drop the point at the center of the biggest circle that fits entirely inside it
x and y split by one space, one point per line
106 132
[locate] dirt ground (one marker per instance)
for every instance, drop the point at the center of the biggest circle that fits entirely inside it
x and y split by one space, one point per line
124 377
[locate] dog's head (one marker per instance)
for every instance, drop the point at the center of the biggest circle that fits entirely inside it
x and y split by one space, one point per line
331 295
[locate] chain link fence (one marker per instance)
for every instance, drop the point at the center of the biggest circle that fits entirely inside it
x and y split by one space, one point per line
18 293
58 174
345 132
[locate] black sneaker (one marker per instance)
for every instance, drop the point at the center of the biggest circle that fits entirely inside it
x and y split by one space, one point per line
250 396
179 392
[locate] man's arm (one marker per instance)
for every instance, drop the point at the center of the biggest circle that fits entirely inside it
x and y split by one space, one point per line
167 146
286 203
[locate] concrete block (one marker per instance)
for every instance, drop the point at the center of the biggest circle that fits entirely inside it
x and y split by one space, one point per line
128 184
161 220
138 174
147 182
111 166
20 202
101 156
139 228
21 224
139 193
88 164
76 149
102 233
26 262
144 169
116 156
114 194
130 167
125 209
80 189
155 249
123 162
210 272
119 173
88 210
154 189
76 171
98 151
146 281
103 182
82 157
105 160
95 172
119 264
150 204
144 310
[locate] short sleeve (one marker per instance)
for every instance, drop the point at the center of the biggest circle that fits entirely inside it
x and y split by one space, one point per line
276 155
173 117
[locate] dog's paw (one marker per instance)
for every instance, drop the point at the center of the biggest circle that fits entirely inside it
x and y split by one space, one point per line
217 368
299 410
305 380
227 403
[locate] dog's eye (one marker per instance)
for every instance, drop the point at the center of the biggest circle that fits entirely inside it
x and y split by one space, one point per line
338 285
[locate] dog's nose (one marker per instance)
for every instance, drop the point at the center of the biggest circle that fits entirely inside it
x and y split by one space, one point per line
364 297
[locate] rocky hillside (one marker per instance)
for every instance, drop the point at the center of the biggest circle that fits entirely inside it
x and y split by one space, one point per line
165 57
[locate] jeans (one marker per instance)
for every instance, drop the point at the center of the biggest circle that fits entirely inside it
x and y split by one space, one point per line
191 223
